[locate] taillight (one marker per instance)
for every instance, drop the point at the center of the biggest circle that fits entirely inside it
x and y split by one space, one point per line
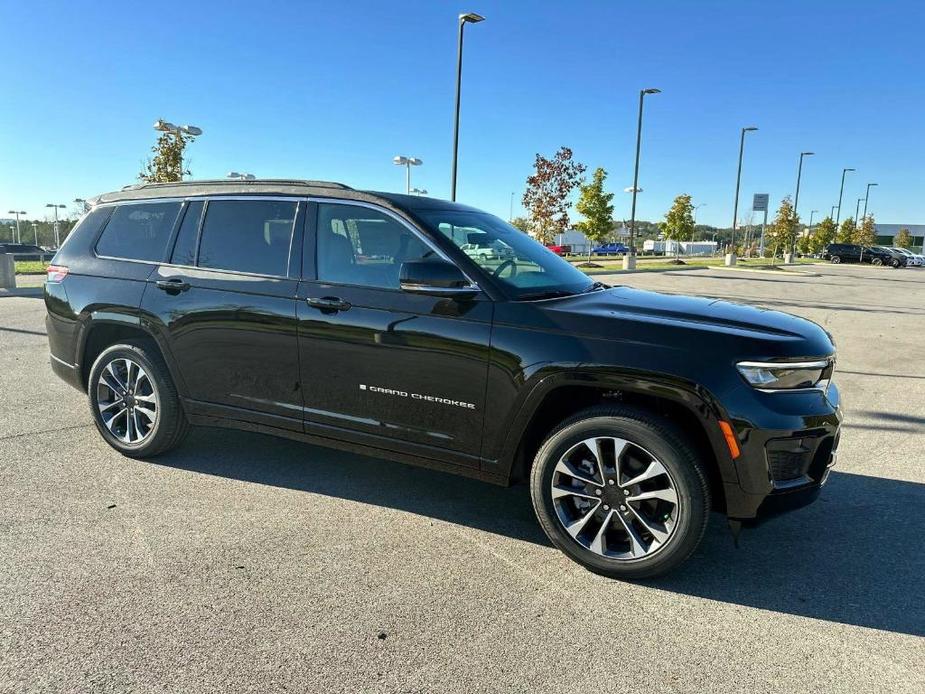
55 273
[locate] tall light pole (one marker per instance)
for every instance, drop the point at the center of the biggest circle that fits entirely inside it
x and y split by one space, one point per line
832 213
735 207
178 131
840 192
35 232
796 197
511 213
18 233
857 211
407 162
629 260
694 215
867 195
811 214
56 208
84 207
465 18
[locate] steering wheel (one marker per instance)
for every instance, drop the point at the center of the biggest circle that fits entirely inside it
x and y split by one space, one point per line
507 263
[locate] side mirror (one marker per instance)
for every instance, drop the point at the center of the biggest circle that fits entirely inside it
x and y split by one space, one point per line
436 278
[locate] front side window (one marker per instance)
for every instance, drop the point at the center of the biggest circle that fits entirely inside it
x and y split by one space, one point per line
361 246
526 268
248 236
139 231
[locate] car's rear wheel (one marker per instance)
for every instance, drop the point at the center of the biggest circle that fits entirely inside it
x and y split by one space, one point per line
836 260
621 492
134 402
876 261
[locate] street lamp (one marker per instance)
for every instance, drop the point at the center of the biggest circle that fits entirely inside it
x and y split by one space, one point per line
840 192
35 232
735 207
407 162
418 191
56 207
796 197
697 207
811 213
867 195
17 213
178 131
242 176
466 18
832 213
629 260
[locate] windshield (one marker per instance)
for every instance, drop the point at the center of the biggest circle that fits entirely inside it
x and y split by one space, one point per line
526 268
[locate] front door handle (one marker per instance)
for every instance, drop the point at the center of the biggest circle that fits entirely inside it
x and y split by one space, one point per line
328 303
173 286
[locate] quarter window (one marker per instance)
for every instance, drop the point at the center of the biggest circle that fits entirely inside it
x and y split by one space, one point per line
139 232
248 236
361 246
184 250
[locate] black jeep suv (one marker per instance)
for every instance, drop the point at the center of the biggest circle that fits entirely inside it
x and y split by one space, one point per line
854 253
355 320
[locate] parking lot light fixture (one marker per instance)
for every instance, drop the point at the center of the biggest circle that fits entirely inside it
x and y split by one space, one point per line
407 162
735 206
56 207
812 213
867 196
241 176
796 197
840 193
857 211
635 190
178 131
18 233
465 18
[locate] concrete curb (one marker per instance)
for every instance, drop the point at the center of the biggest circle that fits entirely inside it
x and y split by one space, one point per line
781 269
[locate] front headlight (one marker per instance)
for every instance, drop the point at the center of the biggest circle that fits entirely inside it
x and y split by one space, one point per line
776 376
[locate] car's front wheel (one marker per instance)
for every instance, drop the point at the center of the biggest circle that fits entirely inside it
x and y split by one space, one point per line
621 492
836 260
134 402
876 261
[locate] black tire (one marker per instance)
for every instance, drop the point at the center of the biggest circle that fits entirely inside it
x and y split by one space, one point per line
668 446
876 261
170 424
836 260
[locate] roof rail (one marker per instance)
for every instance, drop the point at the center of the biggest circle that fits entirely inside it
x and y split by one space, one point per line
229 181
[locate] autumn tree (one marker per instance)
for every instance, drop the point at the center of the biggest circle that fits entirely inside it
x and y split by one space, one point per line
679 222
597 208
783 230
846 231
822 235
903 239
548 189
166 166
521 223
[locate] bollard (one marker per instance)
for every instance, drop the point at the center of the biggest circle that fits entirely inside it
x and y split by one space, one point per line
730 259
629 261
7 271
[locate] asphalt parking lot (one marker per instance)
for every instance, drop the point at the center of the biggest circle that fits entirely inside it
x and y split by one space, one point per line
245 563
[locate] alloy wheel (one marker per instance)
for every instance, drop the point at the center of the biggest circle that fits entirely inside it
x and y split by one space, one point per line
127 401
614 498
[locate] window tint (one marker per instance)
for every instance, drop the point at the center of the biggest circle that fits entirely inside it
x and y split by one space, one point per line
358 245
139 232
184 250
247 236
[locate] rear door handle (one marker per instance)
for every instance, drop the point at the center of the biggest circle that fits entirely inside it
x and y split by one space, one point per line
329 303
173 286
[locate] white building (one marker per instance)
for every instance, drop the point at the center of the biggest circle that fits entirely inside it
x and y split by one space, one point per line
670 247
886 233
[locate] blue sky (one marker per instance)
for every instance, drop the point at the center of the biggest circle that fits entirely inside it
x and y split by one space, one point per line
335 90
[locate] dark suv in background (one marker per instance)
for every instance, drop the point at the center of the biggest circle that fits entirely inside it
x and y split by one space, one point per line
355 320
854 253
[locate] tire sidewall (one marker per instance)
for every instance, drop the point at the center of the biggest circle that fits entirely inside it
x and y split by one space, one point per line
836 260
154 376
689 486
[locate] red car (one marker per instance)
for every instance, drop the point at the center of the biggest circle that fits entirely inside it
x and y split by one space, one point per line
559 250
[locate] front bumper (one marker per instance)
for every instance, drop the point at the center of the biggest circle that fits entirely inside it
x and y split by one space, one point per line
786 456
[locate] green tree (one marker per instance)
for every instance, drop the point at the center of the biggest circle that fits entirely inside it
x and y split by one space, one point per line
166 166
548 189
597 208
823 235
781 233
903 239
866 234
679 222
521 223
845 231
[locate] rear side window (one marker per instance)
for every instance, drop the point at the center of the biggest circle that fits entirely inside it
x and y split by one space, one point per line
248 236
184 250
139 232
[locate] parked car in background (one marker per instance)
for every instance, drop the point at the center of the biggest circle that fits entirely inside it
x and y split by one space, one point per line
856 253
610 249
25 251
912 259
559 249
